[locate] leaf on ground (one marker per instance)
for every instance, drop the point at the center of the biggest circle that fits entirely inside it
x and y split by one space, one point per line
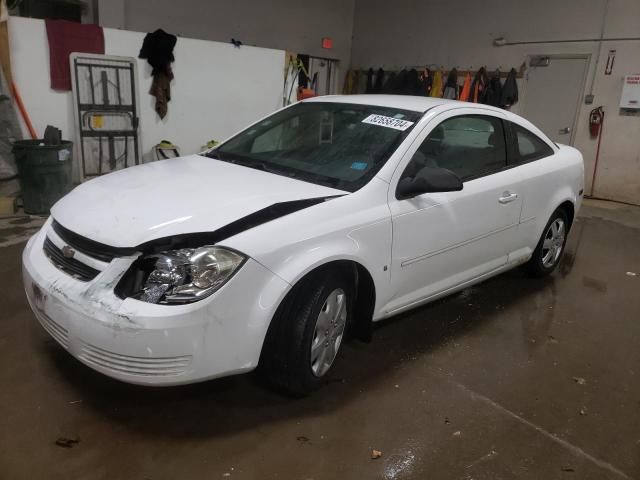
579 380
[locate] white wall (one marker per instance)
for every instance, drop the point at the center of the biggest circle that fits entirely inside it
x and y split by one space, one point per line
216 90
292 25
460 34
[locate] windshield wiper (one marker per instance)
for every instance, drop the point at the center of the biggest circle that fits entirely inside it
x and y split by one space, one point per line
239 161
258 166
215 154
249 163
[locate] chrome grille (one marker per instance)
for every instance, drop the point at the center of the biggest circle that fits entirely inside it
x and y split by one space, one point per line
69 265
141 366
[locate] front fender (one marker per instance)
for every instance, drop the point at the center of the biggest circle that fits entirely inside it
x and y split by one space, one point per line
355 227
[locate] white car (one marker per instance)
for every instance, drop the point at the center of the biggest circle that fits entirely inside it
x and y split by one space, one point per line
314 222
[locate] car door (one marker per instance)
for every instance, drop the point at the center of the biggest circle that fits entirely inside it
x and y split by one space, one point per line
444 240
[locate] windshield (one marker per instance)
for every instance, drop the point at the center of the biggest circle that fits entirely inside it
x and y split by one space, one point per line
339 145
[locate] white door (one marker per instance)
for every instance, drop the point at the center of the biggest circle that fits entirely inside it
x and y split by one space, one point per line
553 95
442 240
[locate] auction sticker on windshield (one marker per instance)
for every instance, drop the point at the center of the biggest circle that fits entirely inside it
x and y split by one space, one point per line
388 122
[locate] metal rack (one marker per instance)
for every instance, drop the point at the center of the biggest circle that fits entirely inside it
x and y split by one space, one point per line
107 114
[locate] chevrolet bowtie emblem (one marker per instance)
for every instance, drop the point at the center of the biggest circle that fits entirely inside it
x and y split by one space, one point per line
68 252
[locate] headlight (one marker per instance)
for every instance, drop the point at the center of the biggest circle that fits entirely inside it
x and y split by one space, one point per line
187 275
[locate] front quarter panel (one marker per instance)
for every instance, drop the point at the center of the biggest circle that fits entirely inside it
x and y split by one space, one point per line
354 227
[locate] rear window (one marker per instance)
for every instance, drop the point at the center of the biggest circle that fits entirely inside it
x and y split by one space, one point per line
528 146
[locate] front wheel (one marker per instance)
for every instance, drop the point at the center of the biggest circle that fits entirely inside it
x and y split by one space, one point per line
548 252
307 332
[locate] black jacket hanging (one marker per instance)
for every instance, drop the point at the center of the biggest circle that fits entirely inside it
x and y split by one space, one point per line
414 86
389 84
510 90
377 86
478 86
157 49
493 93
369 88
400 85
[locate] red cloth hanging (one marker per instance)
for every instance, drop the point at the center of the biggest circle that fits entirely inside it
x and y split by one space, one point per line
65 38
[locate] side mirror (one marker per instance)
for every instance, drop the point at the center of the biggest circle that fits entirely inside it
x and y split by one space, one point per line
428 180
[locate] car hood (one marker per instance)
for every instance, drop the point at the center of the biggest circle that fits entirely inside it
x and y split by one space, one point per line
172 197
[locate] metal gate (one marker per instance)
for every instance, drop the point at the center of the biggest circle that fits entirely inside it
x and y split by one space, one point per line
106 110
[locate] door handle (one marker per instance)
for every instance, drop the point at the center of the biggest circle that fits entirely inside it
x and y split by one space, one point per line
564 131
507 197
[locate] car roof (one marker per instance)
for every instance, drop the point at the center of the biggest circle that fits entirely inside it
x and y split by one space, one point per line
422 104
403 102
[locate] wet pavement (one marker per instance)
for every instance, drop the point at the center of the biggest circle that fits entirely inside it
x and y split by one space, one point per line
513 378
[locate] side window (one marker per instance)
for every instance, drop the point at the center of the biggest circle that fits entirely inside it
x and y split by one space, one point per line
471 146
528 146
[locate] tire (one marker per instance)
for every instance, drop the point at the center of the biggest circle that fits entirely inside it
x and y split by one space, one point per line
287 361
548 252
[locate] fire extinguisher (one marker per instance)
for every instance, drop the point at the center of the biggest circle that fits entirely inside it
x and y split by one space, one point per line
596 122
596 117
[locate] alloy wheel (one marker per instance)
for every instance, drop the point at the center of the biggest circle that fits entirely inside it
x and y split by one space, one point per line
553 243
328 332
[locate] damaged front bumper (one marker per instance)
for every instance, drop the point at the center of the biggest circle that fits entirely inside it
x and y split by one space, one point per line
150 344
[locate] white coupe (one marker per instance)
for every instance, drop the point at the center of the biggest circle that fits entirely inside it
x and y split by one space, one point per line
309 225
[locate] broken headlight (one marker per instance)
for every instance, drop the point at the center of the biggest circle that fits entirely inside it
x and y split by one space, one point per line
186 275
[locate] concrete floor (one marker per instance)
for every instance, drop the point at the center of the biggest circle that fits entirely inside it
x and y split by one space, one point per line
514 378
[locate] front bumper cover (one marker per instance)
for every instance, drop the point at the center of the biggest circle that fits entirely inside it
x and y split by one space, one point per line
149 344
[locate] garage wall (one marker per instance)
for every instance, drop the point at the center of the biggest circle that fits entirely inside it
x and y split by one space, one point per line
283 24
461 34
213 94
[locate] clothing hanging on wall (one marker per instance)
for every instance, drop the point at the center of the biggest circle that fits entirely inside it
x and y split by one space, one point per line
427 82
347 88
378 84
401 83
436 88
64 38
389 84
157 49
478 86
414 84
466 88
451 87
369 87
493 92
509 90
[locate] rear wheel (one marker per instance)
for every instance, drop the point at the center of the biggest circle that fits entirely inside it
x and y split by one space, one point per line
307 331
548 252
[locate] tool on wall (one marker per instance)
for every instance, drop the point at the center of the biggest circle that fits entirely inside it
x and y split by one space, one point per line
313 75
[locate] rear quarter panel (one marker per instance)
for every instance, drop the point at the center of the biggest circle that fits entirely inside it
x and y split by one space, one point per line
545 185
